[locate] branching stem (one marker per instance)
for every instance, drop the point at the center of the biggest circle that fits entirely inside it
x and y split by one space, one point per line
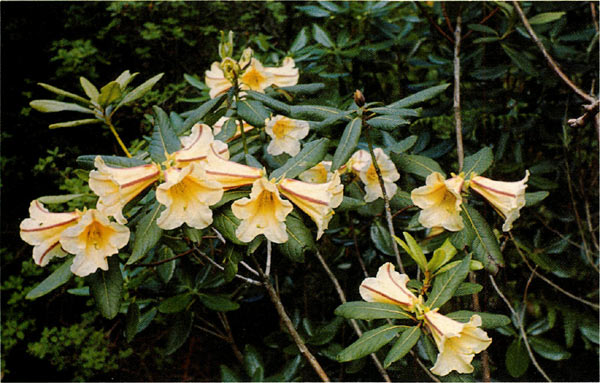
114 132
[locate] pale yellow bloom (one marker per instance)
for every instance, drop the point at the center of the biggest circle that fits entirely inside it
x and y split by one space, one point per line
263 213
218 126
389 286
117 186
197 145
92 240
507 198
440 200
457 342
316 200
187 194
216 81
285 75
362 164
230 174
43 230
318 174
285 134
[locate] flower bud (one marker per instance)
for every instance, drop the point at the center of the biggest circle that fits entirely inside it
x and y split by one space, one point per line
226 46
230 69
359 98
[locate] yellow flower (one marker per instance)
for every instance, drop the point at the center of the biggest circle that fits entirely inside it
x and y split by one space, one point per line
389 286
43 231
286 134
197 145
92 240
216 81
318 174
187 193
218 126
117 186
230 174
285 75
361 163
457 342
507 198
316 200
440 200
263 213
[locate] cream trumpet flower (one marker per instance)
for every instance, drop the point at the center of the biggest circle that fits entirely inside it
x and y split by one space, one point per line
318 174
43 230
117 186
389 286
218 126
362 164
286 134
187 194
197 145
92 240
457 342
440 200
263 213
507 198
316 200
230 174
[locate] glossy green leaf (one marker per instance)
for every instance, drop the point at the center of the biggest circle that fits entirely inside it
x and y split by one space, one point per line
324 334
370 342
300 40
415 164
311 112
253 363
198 114
371 310
61 92
403 345
418 97
399 112
87 161
175 303
147 234
164 140
467 288
485 245
322 37
109 93
479 162
548 349
227 223
231 195
58 278
288 372
253 112
380 236
71 124
125 78
349 203
311 154
347 143
445 284
519 60
228 375
387 122
139 91
218 302
132 320
404 145
441 255
166 270
304 89
193 81
534 198
300 239
56 199
146 319
517 358
51 106
546 17
269 101
106 288
488 320
180 331
90 90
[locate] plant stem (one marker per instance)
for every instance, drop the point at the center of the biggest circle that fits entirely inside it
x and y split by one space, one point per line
215 264
239 120
485 360
457 117
268 266
114 132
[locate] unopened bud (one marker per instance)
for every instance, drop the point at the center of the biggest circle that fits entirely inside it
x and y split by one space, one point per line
226 45
359 98
230 69
246 57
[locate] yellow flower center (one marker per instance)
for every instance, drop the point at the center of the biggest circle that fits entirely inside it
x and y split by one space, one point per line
282 128
96 235
253 79
372 174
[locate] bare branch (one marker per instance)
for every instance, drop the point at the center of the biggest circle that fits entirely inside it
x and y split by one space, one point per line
460 152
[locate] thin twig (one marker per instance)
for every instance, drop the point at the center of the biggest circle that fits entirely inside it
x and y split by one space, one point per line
549 58
164 260
590 111
431 376
215 264
220 336
460 152
357 251
588 218
432 22
448 23
219 235
594 15
485 360
268 266
230 338
557 232
492 13
250 269
523 333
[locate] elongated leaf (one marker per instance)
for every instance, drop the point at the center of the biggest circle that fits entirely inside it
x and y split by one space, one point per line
370 342
314 11
418 97
310 112
548 348
547 17
387 122
321 36
146 319
218 302
228 130
310 155
164 140
180 330
132 321
325 334
125 78
467 288
87 161
534 198
166 270
444 285
56 199
90 90
109 93
287 373
201 111
300 40
404 145
400 112
419 165
349 203
517 359
415 251
478 162
304 89
61 92
70 124
175 304
381 238
106 287
485 245
147 234
407 341
253 363
347 143
300 239
140 91
193 81
269 101
228 375
51 106
370 310
253 112
519 60
227 223
58 278
488 320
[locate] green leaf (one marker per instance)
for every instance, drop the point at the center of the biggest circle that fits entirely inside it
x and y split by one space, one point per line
231 195
51 106
380 236
404 145
400 112
228 130
147 234
349 203
371 310
90 90
300 41
547 17
289 370
347 143
166 270
193 81
61 92
125 78
304 89
310 112
253 112
441 255
109 93
300 239
164 140
414 250
482 28
106 287
444 285
517 358
253 363
415 164
519 60
326 333
485 245
479 162
218 302
227 223
201 111
370 342
269 101
407 341
180 330
548 349
418 97
56 199
467 288
311 154
58 278
87 161
146 319
314 11
387 122
175 303
132 321
228 375
70 124
140 91
322 37
535 197
488 320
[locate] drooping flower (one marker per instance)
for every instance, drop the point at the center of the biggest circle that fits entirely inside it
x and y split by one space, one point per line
507 198
362 164
316 200
263 213
218 126
440 200
318 174
117 186
187 194
286 134
457 342
230 174
197 145
389 286
43 230
92 240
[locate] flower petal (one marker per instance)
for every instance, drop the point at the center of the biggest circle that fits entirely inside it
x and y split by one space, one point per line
230 174
388 286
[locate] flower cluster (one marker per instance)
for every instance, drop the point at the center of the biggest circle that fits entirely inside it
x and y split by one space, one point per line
457 342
